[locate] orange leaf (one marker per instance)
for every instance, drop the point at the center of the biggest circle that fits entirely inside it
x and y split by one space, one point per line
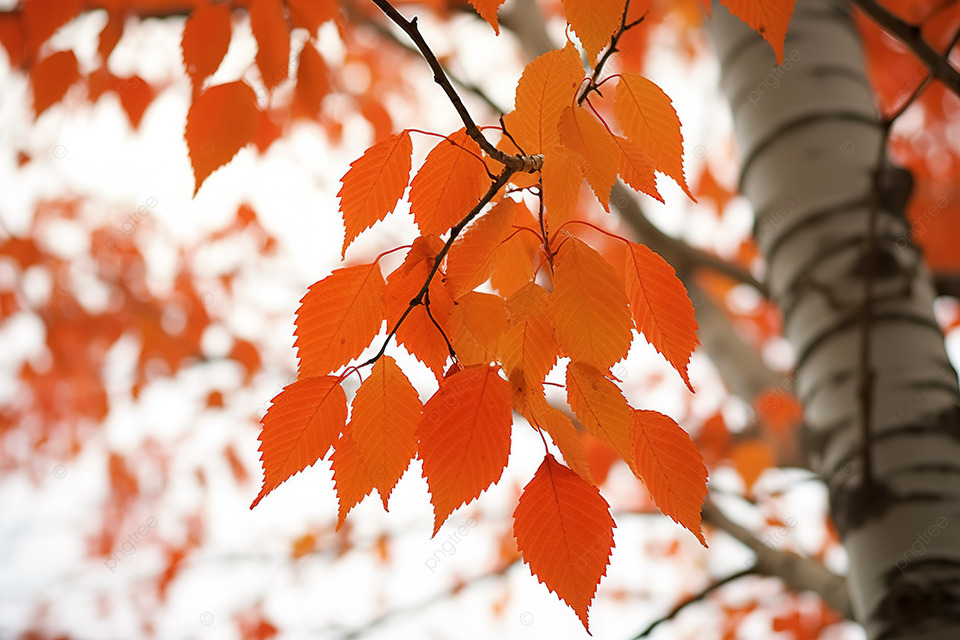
305 420
562 176
590 307
310 14
661 309
488 11
672 468
547 86
593 22
583 134
769 18
110 35
601 407
273 41
464 438
528 349
647 116
221 121
636 169
751 458
51 77
473 256
350 475
41 19
514 262
383 422
312 82
477 322
373 184
338 317
206 38
564 532
531 403
448 185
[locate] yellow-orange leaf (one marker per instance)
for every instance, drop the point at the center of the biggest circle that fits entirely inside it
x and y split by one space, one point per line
636 169
564 532
273 41
488 11
473 256
383 423
373 184
313 82
464 438
477 322
51 77
530 402
594 22
338 317
515 259
299 428
672 468
547 86
648 118
583 134
769 18
601 407
448 185
661 309
528 349
562 177
350 476
206 38
220 122
751 458
590 308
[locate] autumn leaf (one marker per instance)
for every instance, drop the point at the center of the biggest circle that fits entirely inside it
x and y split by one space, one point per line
564 532
583 134
374 184
40 20
220 122
477 322
304 421
751 458
590 307
51 77
636 168
273 41
488 11
547 86
514 262
599 404
769 18
594 22
528 349
448 185
338 318
351 477
313 82
530 402
662 311
310 14
464 438
671 467
473 256
562 174
206 38
648 118
384 416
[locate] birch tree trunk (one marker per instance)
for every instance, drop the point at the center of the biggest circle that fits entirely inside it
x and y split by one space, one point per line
857 300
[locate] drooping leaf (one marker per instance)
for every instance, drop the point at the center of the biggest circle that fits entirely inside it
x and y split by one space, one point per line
548 85
488 11
662 311
515 259
313 82
304 421
477 323
599 404
220 122
273 41
590 307
206 38
769 18
562 176
464 438
473 256
594 22
530 402
448 185
51 77
636 169
564 532
338 317
351 476
310 14
383 423
583 134
648 118
751 458
373 184
528 349
671 467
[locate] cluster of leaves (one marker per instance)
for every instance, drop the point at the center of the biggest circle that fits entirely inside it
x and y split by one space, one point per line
553 296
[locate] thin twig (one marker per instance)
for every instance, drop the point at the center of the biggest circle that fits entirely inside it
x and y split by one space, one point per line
594 85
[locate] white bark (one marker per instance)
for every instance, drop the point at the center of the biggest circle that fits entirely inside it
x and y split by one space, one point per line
810 141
